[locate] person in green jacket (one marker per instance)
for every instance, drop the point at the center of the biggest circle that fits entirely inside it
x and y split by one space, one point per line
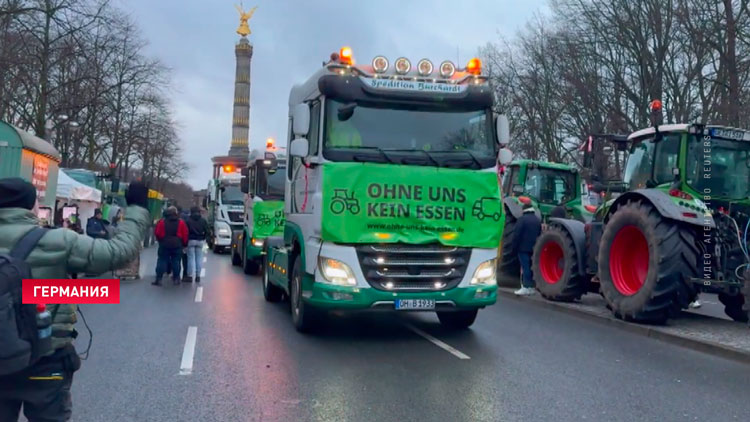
44 388
343 134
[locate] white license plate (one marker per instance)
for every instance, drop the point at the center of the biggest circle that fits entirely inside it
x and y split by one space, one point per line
405 304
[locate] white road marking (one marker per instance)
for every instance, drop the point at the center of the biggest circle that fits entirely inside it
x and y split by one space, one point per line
186 367
199 294
447 347
205 259
203 272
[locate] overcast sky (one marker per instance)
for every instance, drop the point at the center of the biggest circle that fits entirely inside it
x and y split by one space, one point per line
291 38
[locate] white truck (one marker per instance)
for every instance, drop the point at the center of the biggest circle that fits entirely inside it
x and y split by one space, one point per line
225 204
392 198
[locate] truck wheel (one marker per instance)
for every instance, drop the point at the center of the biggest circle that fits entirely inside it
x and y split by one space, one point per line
457 320
645 263
733 306
249 266
509 265
303 316
236 259
271 292
555 266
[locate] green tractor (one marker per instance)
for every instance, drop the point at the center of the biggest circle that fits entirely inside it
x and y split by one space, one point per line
680 228
545 186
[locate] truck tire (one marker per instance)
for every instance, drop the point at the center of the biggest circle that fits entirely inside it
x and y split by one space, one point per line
249 266
236 259
303 316
509 265
645 263
555 266
271 292
733 306
457 320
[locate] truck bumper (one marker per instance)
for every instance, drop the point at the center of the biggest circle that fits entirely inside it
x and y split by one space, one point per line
327 296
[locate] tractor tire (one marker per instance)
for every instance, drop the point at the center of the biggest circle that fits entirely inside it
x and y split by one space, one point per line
555 266
457 320
271 292
509 265
304 317
733 306
645 264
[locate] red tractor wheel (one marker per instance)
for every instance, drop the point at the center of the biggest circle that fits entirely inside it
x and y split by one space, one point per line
555 266
645 264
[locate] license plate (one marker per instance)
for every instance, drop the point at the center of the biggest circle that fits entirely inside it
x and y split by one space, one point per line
405 304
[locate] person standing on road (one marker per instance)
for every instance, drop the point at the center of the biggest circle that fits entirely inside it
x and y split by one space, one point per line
528 228
43 389
198 230
185 216
95 226
172 234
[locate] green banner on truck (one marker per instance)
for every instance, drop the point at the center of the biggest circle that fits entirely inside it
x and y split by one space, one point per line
268 219
380 203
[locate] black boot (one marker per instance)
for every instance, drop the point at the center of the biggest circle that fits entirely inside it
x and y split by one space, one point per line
197 279
157 282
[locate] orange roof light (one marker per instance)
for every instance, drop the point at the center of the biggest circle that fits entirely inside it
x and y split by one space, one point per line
228 168
345 55
474 66
270 144
656 105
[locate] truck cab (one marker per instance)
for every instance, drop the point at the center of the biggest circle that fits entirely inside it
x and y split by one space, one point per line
390 185
263 185
225 204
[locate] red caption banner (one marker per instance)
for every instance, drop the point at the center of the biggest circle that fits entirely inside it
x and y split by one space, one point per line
62 291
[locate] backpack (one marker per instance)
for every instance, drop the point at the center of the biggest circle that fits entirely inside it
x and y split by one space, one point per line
21 346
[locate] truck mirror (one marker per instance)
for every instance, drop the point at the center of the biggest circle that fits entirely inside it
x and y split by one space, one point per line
301 120
505 156
346 111
503 129
245 181
299 148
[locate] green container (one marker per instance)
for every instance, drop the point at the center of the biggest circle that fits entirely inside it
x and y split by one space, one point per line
29 157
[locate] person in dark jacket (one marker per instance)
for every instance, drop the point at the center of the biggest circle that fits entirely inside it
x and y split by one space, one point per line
528 228
43 389
95 226
172 234
197 232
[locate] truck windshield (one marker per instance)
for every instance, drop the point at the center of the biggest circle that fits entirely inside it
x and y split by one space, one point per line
271 186
550 186
410 135
719 167
232 195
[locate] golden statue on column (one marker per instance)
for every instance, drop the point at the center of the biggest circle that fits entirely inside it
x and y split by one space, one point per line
244 29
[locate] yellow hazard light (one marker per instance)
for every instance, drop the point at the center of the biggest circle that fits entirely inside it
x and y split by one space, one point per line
449 235
346 55
383 236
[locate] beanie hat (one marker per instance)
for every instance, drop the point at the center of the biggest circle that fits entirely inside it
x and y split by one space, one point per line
17 193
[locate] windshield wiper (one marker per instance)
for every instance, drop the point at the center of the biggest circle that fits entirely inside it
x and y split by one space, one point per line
469 153
378 149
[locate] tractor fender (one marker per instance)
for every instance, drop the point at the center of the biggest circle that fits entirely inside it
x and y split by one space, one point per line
577 232
664 204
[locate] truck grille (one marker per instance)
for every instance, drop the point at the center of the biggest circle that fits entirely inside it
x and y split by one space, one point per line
235 216
402 267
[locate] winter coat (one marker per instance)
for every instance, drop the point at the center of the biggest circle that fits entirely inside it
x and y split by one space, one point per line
528 228
197 227
95 228
63 251
171 232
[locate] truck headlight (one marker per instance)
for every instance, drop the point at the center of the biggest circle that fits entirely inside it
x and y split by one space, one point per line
223 230
258 243
485 274
336 272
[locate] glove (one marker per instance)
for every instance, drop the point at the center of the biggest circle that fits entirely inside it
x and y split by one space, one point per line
137 194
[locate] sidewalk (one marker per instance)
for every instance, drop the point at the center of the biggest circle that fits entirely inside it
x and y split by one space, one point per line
698 332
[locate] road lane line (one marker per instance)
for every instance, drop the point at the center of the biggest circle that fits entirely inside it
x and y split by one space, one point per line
186 367
203 273
447 347
199 294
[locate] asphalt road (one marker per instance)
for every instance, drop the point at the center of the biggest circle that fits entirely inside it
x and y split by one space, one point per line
519 362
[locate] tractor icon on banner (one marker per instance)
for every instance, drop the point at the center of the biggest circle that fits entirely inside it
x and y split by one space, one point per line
487 207
343 200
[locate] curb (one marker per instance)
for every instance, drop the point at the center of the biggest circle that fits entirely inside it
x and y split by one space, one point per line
704 346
